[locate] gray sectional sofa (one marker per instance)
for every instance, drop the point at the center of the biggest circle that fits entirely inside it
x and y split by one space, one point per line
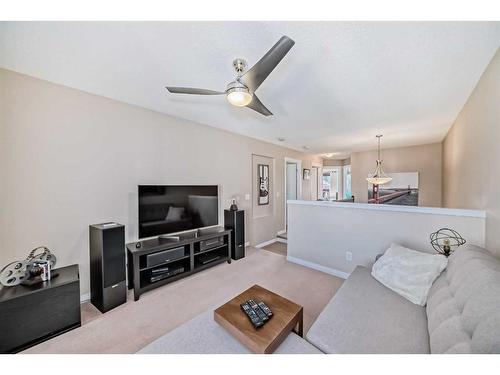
462 316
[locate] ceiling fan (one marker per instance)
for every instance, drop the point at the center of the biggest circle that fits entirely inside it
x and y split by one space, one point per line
241 91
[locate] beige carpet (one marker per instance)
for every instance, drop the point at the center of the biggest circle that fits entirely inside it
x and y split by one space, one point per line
131 326
276 247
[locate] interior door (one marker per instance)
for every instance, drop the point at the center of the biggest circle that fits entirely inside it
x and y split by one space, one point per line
291 186
291 181
314 183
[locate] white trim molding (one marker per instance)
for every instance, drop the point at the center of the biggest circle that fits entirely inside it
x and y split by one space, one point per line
261 245
298 162
394 208
319 179
84 297
282 240
317 267
299 181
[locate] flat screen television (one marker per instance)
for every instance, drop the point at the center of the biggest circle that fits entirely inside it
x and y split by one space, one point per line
165 209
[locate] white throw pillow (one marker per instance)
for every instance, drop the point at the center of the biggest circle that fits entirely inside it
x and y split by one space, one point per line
409 273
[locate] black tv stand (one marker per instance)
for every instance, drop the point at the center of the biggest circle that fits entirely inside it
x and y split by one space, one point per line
139 274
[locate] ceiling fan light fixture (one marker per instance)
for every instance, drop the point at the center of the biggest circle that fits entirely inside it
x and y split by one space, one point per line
239 96
241 92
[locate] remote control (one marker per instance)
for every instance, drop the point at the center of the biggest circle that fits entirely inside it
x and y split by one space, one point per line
252 315
266 309
258 310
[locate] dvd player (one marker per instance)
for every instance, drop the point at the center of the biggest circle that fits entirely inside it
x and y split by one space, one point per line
160 270
208 258
173 272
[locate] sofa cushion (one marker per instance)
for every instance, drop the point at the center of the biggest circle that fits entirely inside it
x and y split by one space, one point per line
463 305
202 335
366 317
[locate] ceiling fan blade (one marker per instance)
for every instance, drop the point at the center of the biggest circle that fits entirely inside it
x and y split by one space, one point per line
254 77
257 105
194 91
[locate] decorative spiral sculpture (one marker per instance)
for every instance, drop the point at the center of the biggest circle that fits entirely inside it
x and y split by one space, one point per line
445 240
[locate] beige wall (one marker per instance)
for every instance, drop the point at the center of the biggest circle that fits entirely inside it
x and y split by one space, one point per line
471 154
336 162
69 159
425 159
367 230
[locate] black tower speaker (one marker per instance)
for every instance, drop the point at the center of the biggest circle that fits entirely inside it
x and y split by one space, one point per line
235 220
107 266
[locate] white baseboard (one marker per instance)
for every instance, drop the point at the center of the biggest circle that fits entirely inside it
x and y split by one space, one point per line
317 267
84 297
282 240
266 243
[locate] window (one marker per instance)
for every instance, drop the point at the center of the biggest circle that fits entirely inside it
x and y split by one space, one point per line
347 182
327 183
330 183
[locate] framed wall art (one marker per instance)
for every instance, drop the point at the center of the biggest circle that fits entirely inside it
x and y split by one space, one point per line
306 174
263 188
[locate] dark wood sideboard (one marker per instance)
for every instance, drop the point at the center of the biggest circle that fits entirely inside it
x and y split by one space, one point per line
32 314
139 272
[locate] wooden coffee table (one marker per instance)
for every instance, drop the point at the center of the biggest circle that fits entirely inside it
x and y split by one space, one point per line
287 316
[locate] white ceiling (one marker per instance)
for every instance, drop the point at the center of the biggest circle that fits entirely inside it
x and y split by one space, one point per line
340 85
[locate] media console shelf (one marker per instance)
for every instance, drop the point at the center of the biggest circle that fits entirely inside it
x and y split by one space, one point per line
198 246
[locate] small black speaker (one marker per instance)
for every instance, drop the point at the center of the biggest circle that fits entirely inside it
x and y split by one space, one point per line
107 266
235 220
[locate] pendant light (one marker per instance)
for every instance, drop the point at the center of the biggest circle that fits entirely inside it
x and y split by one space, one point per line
379 177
